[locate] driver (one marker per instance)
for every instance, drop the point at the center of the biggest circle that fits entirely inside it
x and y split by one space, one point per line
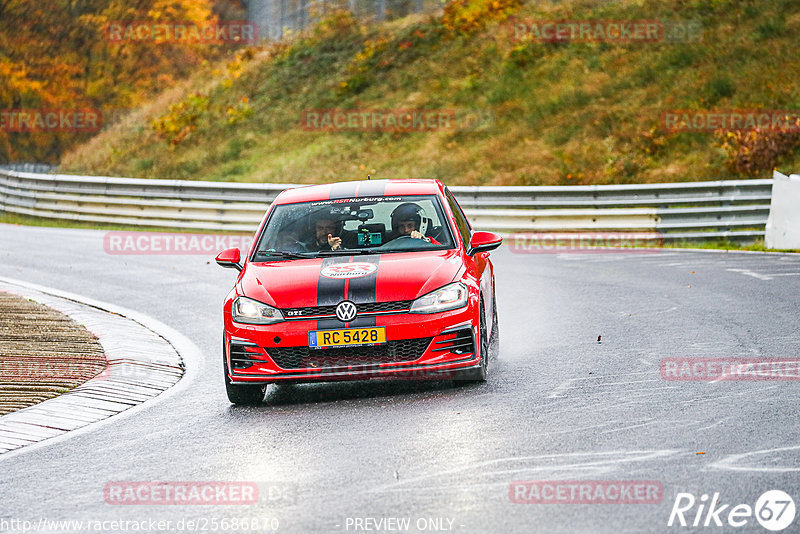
407 221
327 231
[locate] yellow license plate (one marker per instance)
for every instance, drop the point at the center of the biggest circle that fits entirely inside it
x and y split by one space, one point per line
348 337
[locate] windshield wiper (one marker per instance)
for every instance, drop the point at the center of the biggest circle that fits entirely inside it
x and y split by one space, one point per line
286 255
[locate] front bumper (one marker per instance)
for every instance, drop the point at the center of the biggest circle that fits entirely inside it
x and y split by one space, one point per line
419 347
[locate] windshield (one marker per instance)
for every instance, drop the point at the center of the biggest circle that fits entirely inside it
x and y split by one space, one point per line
354 226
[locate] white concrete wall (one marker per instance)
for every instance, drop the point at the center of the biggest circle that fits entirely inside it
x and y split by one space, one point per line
783 225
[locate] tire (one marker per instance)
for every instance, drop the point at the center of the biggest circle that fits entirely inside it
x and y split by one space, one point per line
494 338
478 375
242 394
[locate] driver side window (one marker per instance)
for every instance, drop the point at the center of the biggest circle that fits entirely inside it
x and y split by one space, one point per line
464 228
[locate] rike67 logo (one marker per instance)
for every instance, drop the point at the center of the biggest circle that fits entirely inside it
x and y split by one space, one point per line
774 510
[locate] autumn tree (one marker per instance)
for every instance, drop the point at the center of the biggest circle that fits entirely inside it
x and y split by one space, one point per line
57 55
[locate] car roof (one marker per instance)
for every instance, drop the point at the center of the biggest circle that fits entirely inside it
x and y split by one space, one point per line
359 189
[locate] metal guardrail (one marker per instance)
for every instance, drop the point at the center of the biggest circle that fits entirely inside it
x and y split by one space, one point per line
693 211
27 167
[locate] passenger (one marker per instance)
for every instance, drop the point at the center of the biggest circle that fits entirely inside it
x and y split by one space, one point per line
289 240
407 221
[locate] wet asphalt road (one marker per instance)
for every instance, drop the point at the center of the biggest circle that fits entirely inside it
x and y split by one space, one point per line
557 406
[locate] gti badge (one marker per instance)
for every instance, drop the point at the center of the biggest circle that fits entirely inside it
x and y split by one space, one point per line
346 311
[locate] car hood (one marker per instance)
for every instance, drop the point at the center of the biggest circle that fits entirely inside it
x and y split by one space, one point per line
360 278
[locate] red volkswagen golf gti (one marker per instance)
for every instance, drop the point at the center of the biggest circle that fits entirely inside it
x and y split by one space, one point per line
360 280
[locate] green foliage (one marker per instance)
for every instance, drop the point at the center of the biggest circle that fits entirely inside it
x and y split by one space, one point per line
240 111
143 165
718 88
770 29
680 57
182 118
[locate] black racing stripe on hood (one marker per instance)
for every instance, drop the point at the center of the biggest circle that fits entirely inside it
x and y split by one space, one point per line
361 290
343 190
329 324
361 322
372 189
330 291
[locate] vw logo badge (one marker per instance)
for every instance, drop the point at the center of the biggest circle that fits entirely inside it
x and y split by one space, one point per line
346 311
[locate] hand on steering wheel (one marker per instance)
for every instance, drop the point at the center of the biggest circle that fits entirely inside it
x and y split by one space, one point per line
417 235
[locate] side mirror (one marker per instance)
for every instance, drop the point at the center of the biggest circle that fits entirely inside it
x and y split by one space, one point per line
230 258
483 242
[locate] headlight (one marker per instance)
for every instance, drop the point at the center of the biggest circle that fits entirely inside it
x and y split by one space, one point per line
249 311
449 297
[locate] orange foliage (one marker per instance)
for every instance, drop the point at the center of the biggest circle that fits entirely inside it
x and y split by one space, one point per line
752 151
469 16
57 55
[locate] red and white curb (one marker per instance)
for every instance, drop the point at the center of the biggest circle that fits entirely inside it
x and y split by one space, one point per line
147 360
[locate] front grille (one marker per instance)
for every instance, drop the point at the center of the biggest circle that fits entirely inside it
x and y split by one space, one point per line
376 307
406 350
369 307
